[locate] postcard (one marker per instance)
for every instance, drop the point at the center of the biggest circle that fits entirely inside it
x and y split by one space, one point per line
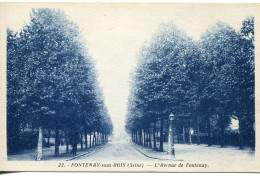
133 87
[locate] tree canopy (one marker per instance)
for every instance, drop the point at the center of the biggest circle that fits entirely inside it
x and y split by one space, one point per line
51 78
204 83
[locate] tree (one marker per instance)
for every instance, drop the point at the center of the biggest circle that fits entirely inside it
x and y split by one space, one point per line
204 84
157 88
219 50
15 76
58 84
244 88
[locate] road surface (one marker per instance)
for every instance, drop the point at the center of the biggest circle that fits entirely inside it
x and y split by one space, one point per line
115 150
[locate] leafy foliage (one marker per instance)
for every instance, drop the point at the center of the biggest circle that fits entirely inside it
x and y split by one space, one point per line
204 84
51 79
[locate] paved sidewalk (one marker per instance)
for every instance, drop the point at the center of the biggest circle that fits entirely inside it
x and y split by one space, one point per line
48 154
185 152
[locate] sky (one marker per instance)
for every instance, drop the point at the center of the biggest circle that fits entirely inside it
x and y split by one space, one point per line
115 33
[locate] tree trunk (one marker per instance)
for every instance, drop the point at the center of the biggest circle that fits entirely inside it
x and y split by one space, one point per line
143 138
218 143
75 144
81 140
97 138
100 137
161 135
137 137
154 140
198 134
190 135
149 138
86 140
94 139
178 137
67 142
253 139
140 138
39 147
183 134
146 138
241 141
209 132
90 134
32 129
222 134
49 134
57 141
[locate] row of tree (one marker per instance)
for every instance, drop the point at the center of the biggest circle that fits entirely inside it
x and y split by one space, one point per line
205 84
51 84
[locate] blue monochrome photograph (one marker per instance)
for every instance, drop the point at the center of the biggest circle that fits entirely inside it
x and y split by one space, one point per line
130 87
